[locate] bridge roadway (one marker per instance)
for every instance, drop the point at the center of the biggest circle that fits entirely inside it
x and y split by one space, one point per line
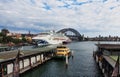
30 58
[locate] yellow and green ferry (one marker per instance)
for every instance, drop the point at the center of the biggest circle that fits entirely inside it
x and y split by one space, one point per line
62 51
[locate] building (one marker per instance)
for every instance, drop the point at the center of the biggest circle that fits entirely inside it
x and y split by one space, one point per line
15 35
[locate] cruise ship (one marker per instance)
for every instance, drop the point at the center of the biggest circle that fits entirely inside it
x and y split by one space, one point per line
51 38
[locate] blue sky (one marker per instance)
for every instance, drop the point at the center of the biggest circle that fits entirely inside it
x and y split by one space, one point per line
89 17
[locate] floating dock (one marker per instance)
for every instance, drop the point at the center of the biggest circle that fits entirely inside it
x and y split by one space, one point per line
107 58
16 62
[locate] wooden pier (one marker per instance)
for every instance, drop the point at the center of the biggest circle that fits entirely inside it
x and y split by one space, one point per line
13 63
107 58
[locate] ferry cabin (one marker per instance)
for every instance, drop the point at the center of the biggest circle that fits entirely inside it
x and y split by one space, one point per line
62 51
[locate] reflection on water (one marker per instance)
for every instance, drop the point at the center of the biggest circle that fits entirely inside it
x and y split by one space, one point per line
82 65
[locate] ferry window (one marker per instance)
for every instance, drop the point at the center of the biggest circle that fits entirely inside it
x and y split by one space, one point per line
61 51
61 47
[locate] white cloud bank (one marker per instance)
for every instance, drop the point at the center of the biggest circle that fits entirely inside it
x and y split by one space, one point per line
89 17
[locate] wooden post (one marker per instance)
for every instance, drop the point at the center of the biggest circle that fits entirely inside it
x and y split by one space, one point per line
22 63
2 70
35 58
72 54
93 54
30 61
66 61
42 58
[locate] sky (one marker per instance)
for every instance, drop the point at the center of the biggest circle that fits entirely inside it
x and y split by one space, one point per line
88 17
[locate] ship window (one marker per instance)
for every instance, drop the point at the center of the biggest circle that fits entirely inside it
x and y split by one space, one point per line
61 47
44 34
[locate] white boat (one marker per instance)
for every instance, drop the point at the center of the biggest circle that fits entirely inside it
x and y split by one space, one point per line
52 38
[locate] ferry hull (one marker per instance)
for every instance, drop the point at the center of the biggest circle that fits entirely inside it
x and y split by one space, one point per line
62 56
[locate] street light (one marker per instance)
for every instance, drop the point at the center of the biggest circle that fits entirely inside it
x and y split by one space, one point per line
16 64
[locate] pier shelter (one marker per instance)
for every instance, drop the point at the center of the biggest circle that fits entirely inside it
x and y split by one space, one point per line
14 63
107 58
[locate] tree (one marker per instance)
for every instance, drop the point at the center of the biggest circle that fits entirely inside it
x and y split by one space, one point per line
16 41
24 39
4 31
0 40
9 39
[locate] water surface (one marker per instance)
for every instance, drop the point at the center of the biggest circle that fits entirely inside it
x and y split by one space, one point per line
82 65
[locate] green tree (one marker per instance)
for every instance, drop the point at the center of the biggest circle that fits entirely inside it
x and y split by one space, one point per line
0 40
9 39
16 41
4 31
24 39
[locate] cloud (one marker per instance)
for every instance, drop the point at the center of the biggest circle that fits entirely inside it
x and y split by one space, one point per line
89 17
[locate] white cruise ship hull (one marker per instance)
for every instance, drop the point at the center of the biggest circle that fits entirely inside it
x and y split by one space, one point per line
52 38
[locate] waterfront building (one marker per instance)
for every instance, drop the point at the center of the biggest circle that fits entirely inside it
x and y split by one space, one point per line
15 35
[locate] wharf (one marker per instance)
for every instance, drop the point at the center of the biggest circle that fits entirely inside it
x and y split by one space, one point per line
12 54
107 58
24 59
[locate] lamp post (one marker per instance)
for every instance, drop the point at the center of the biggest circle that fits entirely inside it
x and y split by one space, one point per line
16 65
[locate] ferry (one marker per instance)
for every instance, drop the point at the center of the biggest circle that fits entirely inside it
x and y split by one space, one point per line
51 38
62 51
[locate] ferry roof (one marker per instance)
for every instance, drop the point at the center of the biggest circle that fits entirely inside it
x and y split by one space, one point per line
62 46
109 46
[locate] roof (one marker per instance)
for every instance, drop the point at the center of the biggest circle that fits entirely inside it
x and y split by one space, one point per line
3 47
12 54
109 46
110 60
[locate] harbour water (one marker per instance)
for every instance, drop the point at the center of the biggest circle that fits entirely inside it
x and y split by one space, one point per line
82 64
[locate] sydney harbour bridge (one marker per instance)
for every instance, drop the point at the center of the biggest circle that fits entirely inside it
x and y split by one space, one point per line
72 34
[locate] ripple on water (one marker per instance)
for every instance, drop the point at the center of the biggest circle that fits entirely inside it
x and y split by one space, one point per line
82 65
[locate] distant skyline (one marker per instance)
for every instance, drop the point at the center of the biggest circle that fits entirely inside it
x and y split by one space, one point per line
88 17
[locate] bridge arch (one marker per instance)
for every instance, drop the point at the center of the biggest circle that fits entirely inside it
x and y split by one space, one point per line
77 35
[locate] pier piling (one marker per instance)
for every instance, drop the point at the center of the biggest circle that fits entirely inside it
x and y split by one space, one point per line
66 61
72 54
